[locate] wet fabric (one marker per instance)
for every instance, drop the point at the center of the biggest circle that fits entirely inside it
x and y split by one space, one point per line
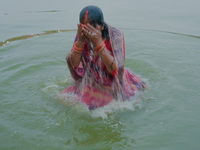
93 84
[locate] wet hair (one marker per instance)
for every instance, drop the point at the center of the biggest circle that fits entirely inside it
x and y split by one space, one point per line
95 16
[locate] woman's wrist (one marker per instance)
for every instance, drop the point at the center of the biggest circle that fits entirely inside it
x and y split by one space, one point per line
79 43
96 44
103 52
78 47
101 46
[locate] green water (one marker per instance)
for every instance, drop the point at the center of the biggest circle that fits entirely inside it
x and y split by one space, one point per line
162 47
165 116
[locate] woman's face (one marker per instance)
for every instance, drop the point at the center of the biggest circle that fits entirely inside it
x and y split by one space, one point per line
96 26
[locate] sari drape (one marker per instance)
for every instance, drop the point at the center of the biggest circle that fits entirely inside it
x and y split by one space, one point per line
93 84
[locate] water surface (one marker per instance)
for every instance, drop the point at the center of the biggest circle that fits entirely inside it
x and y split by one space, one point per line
162 47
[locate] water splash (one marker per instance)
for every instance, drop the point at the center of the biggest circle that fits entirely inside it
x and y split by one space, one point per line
73 103
117 107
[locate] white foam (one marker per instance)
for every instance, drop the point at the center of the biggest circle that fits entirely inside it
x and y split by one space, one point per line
50 88
116 107
75 104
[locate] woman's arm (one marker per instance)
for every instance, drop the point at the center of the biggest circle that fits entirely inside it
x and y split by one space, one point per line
95 36
76 56
108 60
77 48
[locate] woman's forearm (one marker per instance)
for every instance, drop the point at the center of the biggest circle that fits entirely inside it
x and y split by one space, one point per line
76 56
108 60
75 59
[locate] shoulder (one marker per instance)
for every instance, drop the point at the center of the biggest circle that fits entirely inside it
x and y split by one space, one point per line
115 34
114 30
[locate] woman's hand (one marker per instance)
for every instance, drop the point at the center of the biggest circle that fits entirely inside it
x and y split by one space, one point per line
81 37
94 35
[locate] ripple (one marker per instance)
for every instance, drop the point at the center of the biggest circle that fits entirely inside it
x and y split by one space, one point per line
3 43
45 11
182 34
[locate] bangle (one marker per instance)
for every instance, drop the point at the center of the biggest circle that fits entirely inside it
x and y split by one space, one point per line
79 52
102 48
77 49
99 46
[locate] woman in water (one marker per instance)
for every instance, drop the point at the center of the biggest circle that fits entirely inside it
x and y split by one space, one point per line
96 62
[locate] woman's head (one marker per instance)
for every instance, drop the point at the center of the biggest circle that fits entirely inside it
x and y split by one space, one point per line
94 16
91 14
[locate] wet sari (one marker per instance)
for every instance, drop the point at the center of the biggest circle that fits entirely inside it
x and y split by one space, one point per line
93 84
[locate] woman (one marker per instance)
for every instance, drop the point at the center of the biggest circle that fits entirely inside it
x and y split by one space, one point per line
96 62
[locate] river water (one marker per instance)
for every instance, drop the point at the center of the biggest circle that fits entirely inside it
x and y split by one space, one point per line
162 47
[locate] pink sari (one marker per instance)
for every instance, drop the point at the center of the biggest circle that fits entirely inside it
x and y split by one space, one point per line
94 85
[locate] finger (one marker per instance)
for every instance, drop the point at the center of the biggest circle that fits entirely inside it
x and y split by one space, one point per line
91 27
78 25
79 28
98 27
85 32
94 30
91 33
87 28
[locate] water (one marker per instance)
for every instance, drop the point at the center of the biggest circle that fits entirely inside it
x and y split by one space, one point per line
162 47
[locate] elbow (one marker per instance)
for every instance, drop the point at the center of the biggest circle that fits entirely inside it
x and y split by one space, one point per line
113 71
67 59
